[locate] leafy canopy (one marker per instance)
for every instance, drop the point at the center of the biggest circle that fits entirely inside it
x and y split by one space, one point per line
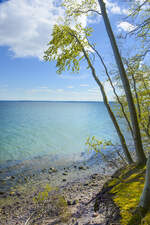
66 47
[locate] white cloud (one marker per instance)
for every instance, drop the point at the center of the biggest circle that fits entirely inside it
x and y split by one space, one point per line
125 26
59 90
41 89
108 90
75 76
114 8
84 85
125 11
94 90
47 94
140 1
25 26
70 87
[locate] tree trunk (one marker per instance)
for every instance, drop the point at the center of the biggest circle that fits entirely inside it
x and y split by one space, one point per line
111 114
141 159
115 93
145 197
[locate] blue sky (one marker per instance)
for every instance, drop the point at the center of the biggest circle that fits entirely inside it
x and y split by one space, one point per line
25 29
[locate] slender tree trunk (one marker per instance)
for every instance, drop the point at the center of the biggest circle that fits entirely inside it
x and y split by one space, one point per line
145 197
115 93
141 159
111 114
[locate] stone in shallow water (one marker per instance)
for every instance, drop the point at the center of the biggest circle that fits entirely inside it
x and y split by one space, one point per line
65 174
51 169
7 178
82 168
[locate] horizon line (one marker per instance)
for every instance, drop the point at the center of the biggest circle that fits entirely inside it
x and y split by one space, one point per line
16 100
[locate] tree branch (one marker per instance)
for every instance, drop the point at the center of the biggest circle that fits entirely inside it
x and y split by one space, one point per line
137 9
89 10
106 71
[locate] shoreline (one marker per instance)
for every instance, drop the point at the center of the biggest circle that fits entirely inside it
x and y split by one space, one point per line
24 172
77 194
78 184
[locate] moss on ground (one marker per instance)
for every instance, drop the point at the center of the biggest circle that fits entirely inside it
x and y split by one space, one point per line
126 187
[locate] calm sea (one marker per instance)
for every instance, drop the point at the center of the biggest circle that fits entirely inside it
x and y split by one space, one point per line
55 131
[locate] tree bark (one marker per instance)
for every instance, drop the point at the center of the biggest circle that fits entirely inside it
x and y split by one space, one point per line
141 158
115 93
145 197
111 114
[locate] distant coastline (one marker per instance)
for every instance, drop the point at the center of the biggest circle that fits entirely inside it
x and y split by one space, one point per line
54 101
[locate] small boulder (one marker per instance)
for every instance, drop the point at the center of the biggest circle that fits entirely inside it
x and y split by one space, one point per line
95 214
82 168
53 170
72 202
65 173
86 184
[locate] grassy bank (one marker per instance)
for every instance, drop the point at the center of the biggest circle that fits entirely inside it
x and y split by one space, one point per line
125 188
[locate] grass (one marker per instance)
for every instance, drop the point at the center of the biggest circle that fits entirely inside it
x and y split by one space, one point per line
44 203
126 187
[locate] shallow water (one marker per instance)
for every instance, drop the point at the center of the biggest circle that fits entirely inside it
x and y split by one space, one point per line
53 131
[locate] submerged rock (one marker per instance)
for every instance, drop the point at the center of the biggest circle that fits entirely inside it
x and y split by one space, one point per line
7 178
82 168
65 173
43 170
53 170
86 184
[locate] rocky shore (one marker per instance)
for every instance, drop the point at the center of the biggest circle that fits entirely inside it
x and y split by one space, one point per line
57 196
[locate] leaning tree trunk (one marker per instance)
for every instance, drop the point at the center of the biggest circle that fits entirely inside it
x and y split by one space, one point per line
111 114
145 197
141 159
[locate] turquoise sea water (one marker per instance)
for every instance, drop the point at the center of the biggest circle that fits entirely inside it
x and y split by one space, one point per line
55 130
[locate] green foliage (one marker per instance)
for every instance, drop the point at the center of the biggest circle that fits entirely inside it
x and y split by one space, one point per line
50 201
66 47
126 189
97 145
61 207
113 159
140 16
44 194
138 76
74 8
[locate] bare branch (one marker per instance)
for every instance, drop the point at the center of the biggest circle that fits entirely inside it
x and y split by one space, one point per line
89 10
106 71
137 9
